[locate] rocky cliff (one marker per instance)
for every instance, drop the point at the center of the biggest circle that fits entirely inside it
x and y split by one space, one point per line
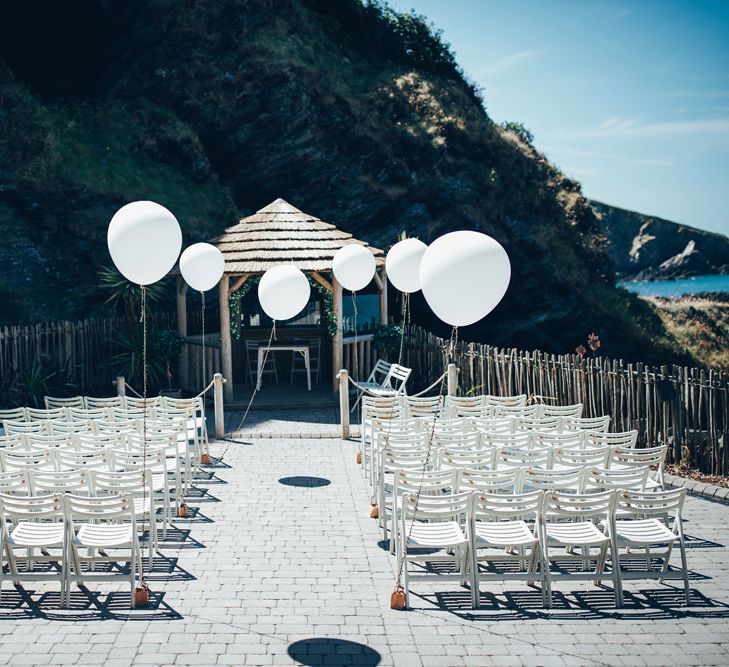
644 247
346 109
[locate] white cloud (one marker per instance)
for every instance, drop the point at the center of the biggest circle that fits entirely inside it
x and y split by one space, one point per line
507 62
632 127
614 156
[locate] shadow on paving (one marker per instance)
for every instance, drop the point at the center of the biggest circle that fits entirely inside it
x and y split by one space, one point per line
666 603
86 605
325 651
305 481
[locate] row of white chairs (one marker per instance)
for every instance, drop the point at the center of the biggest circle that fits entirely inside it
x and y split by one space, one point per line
482 406
491 449
70 534
53 404
396 479
541 536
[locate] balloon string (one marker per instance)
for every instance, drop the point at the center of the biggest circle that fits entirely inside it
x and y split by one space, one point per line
202 338
271 338
144 427
426 463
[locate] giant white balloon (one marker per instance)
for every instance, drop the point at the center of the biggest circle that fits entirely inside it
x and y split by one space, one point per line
403 264
202 266
144 241
463 276
353 266
283 292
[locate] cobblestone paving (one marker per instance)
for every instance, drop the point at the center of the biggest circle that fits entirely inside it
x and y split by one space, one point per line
279 558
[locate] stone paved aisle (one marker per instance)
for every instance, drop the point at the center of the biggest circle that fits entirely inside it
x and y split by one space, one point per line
282 559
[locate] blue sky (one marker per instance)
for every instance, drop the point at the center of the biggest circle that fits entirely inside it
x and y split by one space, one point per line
630 98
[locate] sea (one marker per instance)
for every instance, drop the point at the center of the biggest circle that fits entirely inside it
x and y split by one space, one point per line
671 288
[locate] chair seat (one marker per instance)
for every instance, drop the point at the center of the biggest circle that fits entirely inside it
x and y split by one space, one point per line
441 534
504 534
104 535
583 533
44 534
374 388
643 531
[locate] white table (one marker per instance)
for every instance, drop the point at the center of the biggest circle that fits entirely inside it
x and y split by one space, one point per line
303 350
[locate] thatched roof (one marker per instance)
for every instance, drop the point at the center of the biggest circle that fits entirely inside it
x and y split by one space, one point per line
280 233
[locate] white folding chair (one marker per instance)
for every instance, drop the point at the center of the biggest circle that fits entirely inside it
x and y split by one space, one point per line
624 439
540 424
52 481
647 457
13 414
639 527
433 523
515 401
517 411
39 414
569 457
423 407
505 528
415 480
574 410
392 384
580 521
602 479
568 439
106 526
14 482
594 424
52 402
138 486
565 480
30 523
93 402
506 480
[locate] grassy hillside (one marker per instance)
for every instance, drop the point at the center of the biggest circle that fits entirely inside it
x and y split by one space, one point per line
350 111
700 324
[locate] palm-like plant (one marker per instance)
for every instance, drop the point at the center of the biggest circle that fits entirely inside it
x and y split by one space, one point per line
124 296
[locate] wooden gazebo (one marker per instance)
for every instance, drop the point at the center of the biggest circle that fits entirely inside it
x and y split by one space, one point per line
281 234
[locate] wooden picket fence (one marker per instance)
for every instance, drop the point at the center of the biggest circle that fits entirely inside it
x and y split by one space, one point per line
687 408
81 350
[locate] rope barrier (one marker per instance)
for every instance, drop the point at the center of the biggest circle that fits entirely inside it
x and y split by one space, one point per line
427 389
205 391
132 389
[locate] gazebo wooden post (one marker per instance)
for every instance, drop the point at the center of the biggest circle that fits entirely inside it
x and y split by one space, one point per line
381 281
226 349
183 361
337 346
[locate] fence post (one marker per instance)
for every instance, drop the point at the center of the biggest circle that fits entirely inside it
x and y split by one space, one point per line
343 376
452 379
121 389
219 408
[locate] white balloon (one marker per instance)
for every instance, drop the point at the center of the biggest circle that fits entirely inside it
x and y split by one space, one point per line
403 264
283 292
353 266
144 241
202 266
463 276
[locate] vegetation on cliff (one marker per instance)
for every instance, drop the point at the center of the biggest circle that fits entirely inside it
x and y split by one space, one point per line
347 109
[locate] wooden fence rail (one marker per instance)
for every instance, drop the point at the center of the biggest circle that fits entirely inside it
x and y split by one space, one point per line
686 408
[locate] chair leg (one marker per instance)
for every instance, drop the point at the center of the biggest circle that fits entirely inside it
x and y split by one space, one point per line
684 566
475 585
